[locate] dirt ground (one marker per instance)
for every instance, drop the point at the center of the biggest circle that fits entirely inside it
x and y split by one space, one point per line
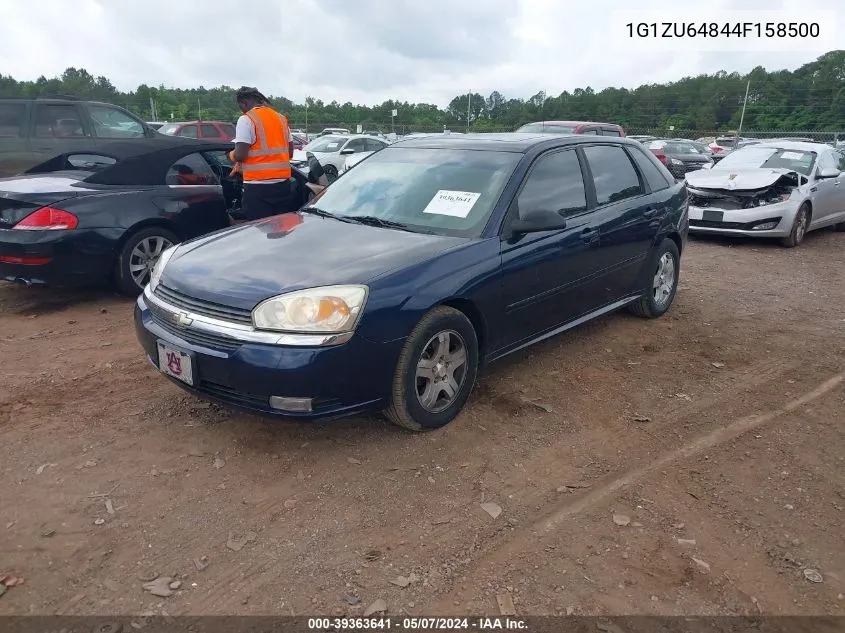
688 465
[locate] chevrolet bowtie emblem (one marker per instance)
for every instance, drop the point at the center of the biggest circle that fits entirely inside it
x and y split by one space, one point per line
183 320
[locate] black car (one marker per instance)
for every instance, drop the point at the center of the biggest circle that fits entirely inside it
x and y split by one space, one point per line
104 215
680 157
35 130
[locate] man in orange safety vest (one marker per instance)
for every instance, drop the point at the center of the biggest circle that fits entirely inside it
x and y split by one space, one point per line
263 149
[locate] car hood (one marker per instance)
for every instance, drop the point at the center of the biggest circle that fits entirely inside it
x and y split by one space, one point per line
731 179
243 265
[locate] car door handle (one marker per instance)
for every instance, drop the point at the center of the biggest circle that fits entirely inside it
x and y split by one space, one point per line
650 212
590 235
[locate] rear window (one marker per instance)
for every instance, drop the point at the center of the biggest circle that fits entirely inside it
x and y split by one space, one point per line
209 131
12 120
545 128
680 148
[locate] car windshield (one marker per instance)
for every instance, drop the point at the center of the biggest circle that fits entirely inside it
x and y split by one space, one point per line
769 158
547 128
326 144
170 129
441 191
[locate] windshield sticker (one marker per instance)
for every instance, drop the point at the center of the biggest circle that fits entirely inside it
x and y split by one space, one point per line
792 156
456 204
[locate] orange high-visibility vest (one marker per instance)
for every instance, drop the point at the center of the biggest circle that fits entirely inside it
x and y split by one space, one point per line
269 157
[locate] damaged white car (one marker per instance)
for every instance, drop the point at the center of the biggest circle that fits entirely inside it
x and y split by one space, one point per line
782 190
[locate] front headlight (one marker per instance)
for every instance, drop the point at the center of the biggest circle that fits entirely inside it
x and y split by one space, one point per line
675 161
330 309
155 276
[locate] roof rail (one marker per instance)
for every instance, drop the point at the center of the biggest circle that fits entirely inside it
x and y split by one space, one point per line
61 96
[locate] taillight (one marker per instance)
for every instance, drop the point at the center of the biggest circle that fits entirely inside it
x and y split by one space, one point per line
716 149
661 157
47 219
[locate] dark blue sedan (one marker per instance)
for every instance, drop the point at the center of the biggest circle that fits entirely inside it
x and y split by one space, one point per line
431 258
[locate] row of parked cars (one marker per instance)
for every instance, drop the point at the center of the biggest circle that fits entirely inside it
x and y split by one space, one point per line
394 286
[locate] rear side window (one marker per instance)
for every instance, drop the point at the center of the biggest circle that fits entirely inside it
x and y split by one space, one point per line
655 178
12 117
110 122
58 121
593 131
614 175
228 130
209 131
189 131
90 162
192 169
609 132
555 184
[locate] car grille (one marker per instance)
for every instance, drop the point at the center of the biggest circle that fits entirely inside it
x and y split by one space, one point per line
680 170
202 307
709 224
193 335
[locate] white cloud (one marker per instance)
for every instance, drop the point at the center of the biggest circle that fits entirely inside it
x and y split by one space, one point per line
365 51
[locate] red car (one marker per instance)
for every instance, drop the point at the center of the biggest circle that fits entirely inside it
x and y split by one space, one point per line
219 131
573 127
299 141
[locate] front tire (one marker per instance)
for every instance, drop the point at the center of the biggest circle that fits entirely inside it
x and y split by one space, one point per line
662 282
840 227
436 371
799 227
138 257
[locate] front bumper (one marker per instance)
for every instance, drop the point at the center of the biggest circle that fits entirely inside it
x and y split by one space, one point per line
340 380
73 258
743 221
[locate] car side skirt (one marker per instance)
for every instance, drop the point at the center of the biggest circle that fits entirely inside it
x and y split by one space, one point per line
563 328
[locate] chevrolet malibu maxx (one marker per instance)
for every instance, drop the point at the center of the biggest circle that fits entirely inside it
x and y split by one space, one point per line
395 286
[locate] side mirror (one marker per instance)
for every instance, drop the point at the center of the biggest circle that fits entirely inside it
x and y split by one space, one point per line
828 172
537 221
347 151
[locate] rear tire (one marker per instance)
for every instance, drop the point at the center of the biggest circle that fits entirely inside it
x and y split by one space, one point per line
138 256
799 227
662 285
436 371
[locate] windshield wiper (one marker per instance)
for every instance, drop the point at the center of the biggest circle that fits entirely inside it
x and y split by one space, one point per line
371 220
323 214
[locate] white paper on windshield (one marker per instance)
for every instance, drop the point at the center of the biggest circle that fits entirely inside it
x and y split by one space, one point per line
456 204
792 155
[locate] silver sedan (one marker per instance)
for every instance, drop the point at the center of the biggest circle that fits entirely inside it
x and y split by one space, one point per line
779 189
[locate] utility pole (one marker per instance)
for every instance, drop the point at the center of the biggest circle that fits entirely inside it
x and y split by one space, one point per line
199 109
742 115
469 109
306 116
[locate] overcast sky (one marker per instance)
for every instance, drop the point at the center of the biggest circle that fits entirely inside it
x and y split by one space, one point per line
364 51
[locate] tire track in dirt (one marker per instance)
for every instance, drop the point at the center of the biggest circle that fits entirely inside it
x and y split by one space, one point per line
532 535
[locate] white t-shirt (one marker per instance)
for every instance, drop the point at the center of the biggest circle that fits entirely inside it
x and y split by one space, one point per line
245 133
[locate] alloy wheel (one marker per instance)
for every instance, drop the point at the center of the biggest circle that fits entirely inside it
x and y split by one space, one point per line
441 371
664 279
144 256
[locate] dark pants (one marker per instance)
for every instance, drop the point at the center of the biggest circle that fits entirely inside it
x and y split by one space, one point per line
261 200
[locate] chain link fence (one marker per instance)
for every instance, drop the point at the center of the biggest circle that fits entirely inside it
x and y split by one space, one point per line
819 136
